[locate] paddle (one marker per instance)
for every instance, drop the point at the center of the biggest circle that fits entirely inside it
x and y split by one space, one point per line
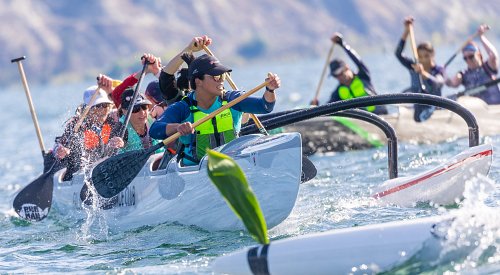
415 55
360 131
87 109
85 195
461 47
78 124
134 98
421 113
34 201
30 102
320 83
114 174
235 88
231 182
478 89
308 169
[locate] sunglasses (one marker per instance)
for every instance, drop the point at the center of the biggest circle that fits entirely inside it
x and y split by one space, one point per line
468 57
136 109
218 78
101 106
339 74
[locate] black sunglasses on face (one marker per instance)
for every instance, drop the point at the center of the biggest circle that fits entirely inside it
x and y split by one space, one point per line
468 57
136 109
101 105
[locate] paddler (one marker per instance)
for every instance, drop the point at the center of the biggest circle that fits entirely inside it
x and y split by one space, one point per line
351 85
97 132
424 68
206 75
479 71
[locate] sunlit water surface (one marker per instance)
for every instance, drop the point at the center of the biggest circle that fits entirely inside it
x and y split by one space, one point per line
337 198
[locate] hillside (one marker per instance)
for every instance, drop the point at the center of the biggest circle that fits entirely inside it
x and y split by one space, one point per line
66 40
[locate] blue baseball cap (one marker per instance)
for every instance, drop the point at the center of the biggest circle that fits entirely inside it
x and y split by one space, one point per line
153 91
206 64
470 47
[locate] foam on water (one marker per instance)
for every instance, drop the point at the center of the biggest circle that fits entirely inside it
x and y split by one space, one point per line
469 243
337 198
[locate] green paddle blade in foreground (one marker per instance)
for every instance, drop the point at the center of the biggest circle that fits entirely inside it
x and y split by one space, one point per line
232 183
359 131
114 174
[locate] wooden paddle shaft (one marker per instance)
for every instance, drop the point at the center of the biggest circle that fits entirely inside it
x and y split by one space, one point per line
234 87
320 83
253 116
472 37
86 110
412 42
414 49
134 98
218 111
30 102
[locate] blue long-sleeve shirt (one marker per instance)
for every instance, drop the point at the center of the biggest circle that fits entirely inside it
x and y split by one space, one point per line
179 112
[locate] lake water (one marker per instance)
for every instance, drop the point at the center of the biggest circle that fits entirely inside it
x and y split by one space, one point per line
337 198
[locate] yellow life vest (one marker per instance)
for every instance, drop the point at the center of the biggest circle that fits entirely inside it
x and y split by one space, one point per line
356 89
213 133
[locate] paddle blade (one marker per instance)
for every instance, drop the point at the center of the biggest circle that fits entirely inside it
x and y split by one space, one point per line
232 183
34 201
49 160
114 174
308 170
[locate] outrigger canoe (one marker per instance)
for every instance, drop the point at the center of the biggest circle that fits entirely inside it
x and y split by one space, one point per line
443 185
327 134
443 124
272 164
365 249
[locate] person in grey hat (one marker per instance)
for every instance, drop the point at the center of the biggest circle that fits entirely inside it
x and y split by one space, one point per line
137 133
351 85
206 75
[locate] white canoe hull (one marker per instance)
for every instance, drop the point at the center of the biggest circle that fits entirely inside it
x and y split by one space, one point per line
367 249
186 195
444 185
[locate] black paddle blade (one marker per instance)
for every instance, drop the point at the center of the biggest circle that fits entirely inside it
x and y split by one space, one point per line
114 174
308 170
88 198
34 201
49 161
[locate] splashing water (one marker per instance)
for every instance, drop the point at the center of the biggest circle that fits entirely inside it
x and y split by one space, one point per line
95 225
467 242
